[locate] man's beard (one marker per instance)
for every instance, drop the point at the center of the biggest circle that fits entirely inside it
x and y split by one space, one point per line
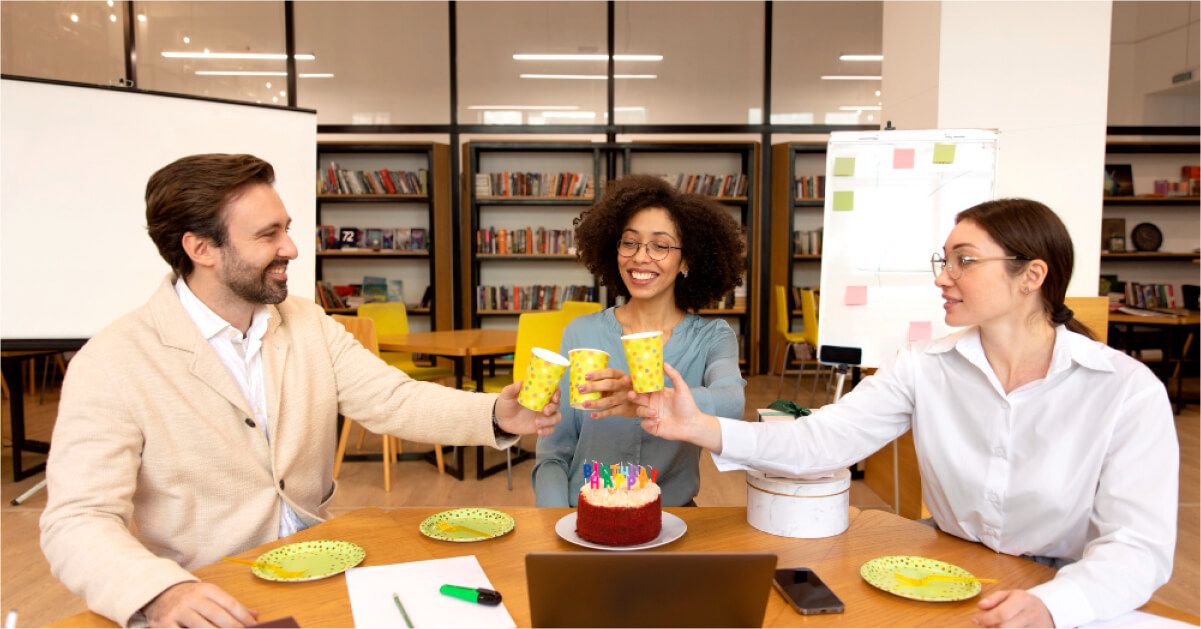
249 283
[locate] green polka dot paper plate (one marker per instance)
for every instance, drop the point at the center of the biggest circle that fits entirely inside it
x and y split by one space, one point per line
881 572
317 559
472 524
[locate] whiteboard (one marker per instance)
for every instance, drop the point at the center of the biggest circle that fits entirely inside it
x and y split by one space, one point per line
74 161
891 199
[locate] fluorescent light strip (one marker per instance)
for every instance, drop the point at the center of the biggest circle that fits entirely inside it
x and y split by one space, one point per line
583 57
263 56
860 108
574 115
588 77
616 109
303 75
861 58
526 107
850 77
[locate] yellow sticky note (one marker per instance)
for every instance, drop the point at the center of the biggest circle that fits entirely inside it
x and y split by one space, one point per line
844 166
944 153
844 201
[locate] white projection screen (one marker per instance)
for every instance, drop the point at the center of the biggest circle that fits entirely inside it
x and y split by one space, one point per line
74 161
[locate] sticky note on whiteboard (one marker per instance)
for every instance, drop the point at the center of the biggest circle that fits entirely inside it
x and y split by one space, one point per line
855 296
944 153
844 201
902 158
919 331
844 166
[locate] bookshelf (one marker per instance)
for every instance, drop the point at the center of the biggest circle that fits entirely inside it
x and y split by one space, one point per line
793 265
719 159
428 266
515 201
1176 217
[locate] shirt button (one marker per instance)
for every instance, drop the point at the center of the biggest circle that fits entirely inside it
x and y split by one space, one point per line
281 484
250 422
999 451
992 495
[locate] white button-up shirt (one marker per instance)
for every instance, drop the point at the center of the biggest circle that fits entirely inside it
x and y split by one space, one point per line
1080 465
243 357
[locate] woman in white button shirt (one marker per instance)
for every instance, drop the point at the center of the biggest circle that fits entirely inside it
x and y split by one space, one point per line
1032 438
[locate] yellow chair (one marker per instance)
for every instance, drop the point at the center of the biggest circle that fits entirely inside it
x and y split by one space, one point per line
363 330
790 338
573 309
392 318
809 319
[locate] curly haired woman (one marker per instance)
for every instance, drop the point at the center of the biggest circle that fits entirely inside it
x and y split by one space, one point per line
667 253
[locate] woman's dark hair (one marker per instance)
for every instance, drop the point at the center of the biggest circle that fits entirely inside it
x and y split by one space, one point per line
710 238
188 195
1030 230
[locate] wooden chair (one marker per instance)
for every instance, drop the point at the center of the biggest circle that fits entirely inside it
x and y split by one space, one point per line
363 330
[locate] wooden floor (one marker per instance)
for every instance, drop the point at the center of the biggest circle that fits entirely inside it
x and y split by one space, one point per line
26 583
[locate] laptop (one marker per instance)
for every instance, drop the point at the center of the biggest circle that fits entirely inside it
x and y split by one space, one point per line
648 589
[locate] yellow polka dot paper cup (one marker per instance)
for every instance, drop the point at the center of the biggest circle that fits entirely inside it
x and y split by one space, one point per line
644 353
583 362
541 378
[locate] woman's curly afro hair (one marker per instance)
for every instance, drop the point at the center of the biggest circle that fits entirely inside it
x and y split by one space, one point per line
709 236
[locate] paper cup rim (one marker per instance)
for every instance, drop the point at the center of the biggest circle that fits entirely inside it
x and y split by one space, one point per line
551 357
641 335
588 349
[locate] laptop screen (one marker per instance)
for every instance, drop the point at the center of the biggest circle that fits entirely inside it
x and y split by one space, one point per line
648 589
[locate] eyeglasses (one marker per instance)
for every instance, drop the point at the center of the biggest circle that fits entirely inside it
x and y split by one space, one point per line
960 263
655 250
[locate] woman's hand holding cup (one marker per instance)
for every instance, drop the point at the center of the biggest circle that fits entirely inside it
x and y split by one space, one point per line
613 386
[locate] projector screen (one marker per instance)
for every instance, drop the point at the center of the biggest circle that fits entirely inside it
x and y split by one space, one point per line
74 161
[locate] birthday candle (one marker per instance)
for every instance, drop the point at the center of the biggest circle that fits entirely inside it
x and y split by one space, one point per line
641 476
607 477
654 475
594 480
630 481
587 470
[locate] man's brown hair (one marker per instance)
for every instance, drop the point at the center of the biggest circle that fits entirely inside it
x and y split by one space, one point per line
188 195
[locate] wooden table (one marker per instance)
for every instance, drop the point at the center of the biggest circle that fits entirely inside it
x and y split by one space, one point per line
392 537
1178 325
474 345
10 366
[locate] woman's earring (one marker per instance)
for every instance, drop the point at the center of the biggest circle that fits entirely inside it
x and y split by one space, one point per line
1025 290
684 273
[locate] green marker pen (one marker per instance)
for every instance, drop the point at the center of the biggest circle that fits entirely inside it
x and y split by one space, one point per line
472 595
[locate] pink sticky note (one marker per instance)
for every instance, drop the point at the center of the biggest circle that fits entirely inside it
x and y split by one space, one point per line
919 331
902 158
856 296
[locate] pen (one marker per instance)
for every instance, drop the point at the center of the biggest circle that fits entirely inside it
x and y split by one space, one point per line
403 613
482 596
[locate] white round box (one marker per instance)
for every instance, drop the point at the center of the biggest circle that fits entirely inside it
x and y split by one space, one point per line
796 507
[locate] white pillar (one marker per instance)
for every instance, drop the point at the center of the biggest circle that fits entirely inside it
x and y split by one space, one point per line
1036 71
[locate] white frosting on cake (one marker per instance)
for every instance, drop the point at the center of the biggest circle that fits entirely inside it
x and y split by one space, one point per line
609 497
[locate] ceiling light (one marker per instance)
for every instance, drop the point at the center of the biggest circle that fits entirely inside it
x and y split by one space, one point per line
268 56
574 115
526 107
74 17
267 84
877 92
617 109
112 18
187 40
275 99
584 57
303 75
861 58
859 108
588 77
109 3
282 93
850 77
142 17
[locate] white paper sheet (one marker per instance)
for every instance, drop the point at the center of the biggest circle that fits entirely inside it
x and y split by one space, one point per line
417 583
1136 619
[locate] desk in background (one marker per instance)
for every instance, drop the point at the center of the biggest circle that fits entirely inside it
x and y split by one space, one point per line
1180 325
392 537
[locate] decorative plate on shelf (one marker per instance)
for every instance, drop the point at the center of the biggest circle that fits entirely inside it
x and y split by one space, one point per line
1146 237
314 560
471 524
881 572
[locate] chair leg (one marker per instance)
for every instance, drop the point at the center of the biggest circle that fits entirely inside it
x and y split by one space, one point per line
817 372
439 459
342 439
387 463
783 366
362 435
4 386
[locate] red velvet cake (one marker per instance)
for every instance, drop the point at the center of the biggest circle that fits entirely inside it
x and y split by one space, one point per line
619 517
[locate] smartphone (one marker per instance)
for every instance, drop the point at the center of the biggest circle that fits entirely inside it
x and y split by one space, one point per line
806 592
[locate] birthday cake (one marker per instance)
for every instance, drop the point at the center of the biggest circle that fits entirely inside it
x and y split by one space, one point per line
619 506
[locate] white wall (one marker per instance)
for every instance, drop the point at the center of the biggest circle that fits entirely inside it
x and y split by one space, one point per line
1152 41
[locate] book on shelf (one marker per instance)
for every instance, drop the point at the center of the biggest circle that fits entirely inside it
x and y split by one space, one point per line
328 296
334 180
807 242
525 241
811 187
375 288
524 184
427 297
327 237
396 290
531 297
374 238
1150 296
733 185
